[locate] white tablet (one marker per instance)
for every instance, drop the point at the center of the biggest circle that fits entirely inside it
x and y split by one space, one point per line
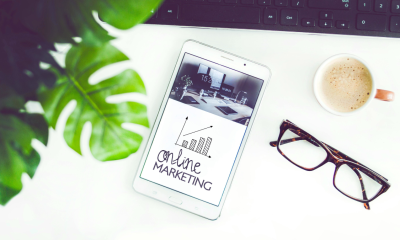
201 129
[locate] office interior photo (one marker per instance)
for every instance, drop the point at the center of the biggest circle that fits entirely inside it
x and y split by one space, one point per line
216 89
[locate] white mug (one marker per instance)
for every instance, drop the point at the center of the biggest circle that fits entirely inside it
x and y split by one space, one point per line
380 94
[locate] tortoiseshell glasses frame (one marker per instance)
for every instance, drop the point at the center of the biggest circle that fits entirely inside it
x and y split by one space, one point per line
334 156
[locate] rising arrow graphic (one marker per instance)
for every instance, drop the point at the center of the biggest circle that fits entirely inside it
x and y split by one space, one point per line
181 131
198 130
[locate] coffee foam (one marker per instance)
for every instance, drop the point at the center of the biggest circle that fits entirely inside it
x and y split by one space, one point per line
346 85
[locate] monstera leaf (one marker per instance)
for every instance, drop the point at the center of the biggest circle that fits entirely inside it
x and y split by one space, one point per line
60 20
108 141
17 129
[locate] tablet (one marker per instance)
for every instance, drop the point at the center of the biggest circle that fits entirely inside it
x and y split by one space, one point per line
195 144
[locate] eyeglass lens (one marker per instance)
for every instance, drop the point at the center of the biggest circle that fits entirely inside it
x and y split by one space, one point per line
305 153
348 181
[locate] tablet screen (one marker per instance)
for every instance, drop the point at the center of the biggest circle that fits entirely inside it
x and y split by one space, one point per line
200 131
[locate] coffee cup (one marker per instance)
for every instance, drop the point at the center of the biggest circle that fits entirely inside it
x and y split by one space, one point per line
344 85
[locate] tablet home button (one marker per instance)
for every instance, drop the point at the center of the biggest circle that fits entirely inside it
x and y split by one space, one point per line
175 200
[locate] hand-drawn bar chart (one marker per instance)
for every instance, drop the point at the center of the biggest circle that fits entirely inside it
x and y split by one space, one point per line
192 144
203 144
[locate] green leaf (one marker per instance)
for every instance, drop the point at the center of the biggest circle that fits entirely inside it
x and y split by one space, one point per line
108 141
6 194
16 156
61 20
38 125
17 129
16 153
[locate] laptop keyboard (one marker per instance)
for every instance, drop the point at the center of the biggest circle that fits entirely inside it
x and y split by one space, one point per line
379 18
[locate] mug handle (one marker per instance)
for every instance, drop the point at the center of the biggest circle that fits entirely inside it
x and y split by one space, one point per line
384 95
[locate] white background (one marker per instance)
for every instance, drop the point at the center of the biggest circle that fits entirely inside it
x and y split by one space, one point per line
226 138
78 197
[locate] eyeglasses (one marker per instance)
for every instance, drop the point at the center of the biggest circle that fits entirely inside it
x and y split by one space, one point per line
351 178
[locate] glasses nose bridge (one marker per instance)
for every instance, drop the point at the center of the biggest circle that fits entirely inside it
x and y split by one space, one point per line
333 159
332 155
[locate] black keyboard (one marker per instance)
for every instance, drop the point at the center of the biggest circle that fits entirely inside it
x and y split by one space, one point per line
350 17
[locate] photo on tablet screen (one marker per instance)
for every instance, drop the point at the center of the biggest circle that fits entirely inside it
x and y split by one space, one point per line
216 89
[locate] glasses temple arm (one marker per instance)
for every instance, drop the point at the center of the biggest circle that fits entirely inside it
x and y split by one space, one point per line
366 205
289 140
275 143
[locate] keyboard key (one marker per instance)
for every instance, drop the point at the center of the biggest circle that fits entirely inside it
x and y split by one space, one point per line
326 15
342 24
325 23
330 4
230 1
395 6
270 16
218 13
281 3
371 22
308 22
381 5
364 5
264 2
395 23
289 17
247 1
168 11
298 3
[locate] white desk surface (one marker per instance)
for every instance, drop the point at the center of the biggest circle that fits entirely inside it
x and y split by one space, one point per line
78 197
